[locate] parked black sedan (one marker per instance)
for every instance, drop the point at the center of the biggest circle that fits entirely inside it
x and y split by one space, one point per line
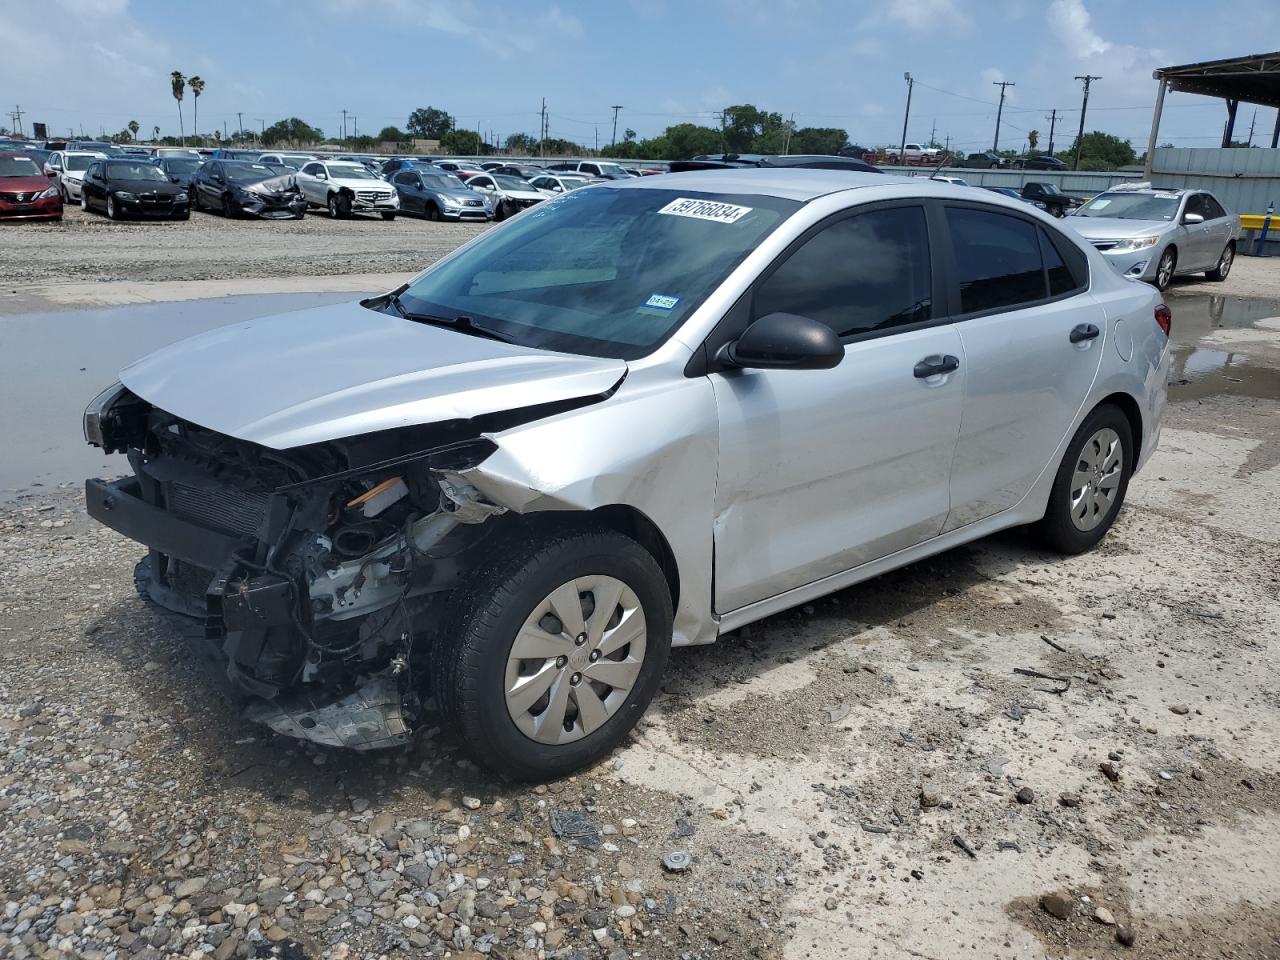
241 188
1043 161
132 188
179 170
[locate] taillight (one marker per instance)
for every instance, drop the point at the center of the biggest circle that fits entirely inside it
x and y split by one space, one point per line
1164 317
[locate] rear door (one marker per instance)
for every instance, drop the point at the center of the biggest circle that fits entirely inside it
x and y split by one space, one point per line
1220 229
1032 337
823 470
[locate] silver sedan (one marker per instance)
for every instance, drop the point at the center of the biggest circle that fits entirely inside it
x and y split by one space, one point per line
1156 235
635 416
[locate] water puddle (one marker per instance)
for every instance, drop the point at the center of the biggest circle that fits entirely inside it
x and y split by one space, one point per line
53 363
1224 346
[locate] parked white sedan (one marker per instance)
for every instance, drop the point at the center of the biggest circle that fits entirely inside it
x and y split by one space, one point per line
643 415
510 194
68 167
344 188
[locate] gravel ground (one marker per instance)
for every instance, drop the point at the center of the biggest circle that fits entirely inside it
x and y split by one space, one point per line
88 246
866 776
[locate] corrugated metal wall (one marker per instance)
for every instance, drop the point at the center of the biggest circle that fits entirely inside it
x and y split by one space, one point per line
1244 180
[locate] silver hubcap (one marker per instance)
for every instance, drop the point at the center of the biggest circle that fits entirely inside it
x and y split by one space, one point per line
1166 269
1096 480
1224 265
575 659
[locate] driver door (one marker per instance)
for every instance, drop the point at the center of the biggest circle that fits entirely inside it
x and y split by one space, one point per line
313 188
821 471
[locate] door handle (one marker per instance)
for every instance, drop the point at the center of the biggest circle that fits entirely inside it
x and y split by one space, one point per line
1084 331
936 365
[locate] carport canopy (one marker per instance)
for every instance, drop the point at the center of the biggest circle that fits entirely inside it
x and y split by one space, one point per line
1251 79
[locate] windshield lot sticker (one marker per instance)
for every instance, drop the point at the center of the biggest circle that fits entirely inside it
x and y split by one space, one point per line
705 210
662 301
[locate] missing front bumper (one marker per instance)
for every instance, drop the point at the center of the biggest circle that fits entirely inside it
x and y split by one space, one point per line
377 715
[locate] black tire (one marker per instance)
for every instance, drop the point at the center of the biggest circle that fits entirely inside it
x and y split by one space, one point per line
195 199
1057 528
500 212
388 216
469 658
1164 276
113 213
228 208
339 206
433 213
66 195
1219 273
184 215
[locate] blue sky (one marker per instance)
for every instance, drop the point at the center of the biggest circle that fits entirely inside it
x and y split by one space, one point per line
101 63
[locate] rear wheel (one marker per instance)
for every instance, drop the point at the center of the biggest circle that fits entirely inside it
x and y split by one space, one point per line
1165 268
1219 273
1091 482
554 652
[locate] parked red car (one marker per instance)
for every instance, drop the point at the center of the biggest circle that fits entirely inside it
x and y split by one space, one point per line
25 192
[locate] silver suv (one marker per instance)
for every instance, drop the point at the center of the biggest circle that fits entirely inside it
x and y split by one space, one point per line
637 416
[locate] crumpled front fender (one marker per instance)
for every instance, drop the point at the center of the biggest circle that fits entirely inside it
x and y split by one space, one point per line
652 447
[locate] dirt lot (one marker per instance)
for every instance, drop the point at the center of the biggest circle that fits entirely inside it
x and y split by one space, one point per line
868 776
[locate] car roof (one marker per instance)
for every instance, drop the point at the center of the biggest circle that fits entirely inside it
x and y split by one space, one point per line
787 183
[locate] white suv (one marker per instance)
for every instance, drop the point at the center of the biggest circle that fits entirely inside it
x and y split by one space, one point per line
68 167
344 188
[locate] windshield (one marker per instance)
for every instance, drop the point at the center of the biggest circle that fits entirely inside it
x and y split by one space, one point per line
1050 189
250 172
510 183
120 170
81 162
606 272
612 170
174 165
293 163
18 167
352 172
434 181
1132 206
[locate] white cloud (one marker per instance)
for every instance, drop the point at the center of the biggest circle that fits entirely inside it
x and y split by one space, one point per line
561 22
1069 23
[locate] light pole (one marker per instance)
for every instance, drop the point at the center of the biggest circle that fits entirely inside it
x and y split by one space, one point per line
1088 79
906 116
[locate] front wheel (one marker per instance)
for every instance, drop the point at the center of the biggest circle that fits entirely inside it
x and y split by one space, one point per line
388 216
228 208
1164 269
554 652
84 202
1091 482
339 206
1219 273
113 212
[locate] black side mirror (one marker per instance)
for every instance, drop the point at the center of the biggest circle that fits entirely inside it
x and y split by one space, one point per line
784 341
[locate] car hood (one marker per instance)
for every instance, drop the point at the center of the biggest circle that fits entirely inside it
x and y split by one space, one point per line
32 184
353 184
270 186
530 194
345 370
1114 228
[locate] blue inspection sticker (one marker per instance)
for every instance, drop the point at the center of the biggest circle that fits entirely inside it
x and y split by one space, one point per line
662 301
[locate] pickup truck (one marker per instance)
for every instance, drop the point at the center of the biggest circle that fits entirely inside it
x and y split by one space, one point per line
1054 200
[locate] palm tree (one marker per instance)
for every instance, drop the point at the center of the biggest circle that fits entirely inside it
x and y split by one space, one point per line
134 127
197 88
155 134
178 83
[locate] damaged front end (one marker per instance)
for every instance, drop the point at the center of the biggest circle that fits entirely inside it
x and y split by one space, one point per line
315 571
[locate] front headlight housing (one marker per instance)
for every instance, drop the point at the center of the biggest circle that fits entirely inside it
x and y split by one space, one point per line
46 194
1136 243
125 195
449 201
99 408
180 196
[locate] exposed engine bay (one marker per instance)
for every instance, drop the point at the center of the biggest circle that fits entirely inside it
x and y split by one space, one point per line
315 571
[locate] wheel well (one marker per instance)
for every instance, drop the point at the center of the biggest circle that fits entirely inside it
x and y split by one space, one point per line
1133 413
630 522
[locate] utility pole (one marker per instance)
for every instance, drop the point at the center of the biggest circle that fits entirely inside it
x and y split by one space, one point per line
615 108
1002 84
720 116
786 144
947 148
239 124
1053 122
17 118
597 140
542 131
906 116
224 132
1253 123
933 133
344 124
1088 79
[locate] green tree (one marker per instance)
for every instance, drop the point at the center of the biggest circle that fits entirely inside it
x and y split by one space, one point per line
155 133
748 129
178 83
1101 151
197 88
134 127
464 142
1033 139
391 135
292 131
825 140
521 143
429 123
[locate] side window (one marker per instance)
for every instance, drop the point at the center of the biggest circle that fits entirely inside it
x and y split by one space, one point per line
1213 209
407 178
866 272
998 261
482 181
55 161
1067 267
1196 204
590 168
311 169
